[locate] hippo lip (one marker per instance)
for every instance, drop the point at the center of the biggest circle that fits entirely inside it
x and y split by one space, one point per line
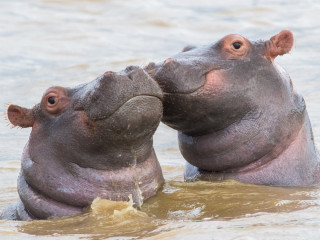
171 86
115 110
102 117
190 91
187 92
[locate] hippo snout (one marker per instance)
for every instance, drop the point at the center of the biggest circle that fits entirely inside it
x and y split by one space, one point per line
114 89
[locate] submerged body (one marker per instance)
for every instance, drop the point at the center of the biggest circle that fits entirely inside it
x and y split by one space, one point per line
237 113
94 140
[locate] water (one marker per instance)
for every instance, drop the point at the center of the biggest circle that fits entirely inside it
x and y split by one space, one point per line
52 42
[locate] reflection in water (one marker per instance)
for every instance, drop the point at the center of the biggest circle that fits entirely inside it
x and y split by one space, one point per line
53 42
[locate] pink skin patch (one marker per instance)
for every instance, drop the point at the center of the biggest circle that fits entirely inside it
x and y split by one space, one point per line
106 73
214 81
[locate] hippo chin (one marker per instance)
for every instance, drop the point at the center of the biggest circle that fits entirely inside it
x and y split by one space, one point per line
237 113
94 140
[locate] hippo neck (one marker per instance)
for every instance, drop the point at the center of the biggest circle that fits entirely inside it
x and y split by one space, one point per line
260 136
106 156
51 189
297 165
115 157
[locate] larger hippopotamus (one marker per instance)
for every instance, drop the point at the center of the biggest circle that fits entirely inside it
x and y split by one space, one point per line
237 113
94 140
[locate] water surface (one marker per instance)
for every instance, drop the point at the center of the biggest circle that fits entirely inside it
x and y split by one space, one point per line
52 42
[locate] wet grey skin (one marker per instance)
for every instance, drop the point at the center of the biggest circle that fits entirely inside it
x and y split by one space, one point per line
237 113
94 140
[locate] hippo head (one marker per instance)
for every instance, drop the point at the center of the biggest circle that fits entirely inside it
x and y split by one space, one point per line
236 110
210 87
94 140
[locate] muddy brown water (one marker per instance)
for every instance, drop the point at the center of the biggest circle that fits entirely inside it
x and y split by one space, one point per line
51 42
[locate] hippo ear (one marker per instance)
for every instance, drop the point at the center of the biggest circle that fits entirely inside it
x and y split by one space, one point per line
188 48
21 117
279 44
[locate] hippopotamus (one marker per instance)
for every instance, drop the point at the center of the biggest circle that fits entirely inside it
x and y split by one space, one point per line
237 113
93 140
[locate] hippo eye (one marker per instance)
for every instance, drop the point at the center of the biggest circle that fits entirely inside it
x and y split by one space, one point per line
52 100
55 100
236 45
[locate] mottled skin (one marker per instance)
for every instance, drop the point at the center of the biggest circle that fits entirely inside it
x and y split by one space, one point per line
94 140
237 113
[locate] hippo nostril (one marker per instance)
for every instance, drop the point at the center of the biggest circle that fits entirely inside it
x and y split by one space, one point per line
130 68
150 66
168 61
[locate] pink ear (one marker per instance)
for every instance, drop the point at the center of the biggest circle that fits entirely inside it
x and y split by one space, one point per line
279 44
19 116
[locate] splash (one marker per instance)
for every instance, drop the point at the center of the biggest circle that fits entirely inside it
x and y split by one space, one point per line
115 211
103 219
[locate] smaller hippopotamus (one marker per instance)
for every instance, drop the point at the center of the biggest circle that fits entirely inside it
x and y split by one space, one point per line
238 114
94 140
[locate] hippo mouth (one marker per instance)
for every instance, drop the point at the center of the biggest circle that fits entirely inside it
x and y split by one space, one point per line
104 96
174 79
145 97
